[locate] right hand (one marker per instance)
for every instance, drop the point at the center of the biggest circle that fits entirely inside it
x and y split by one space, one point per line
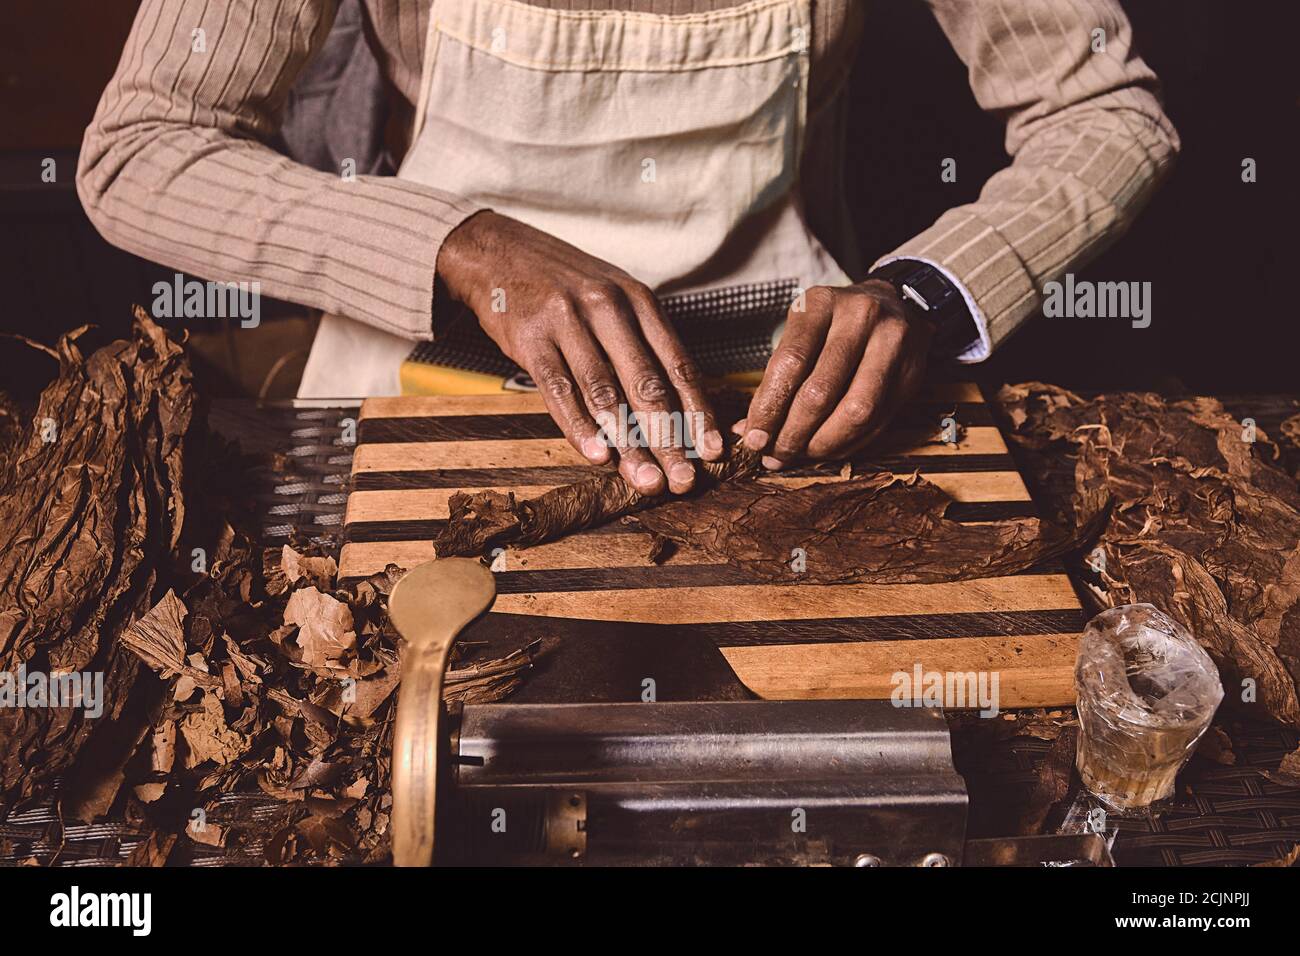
591 337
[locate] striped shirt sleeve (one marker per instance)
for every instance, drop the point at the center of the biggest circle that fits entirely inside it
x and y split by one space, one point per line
1088 139
174 167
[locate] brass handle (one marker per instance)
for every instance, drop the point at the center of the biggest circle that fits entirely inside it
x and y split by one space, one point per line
430 606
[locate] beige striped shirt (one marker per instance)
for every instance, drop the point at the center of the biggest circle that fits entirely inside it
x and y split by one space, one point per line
175 166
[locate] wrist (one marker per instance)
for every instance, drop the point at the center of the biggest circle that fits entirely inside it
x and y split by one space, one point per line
892 302
460 267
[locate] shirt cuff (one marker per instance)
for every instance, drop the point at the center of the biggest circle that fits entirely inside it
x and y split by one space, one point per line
981 347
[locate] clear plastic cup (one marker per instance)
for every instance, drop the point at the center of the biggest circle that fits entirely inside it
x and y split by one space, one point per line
1146 694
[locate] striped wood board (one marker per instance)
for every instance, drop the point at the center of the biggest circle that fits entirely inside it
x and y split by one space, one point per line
783 641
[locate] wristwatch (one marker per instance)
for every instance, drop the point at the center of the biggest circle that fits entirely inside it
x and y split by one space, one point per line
929 292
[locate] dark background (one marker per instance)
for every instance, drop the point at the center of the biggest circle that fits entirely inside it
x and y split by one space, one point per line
1220 253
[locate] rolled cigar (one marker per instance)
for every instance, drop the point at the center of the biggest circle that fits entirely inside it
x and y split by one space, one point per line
489 519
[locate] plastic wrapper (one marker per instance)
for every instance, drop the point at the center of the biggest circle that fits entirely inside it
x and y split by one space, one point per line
1147 692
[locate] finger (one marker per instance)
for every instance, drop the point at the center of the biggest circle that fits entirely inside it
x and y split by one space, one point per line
826 384
647 390
872 397
604 400
683 373
550 370
789 365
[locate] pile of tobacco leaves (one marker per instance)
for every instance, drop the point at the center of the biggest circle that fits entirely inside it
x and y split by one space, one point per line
128 549
1195 518
1196 514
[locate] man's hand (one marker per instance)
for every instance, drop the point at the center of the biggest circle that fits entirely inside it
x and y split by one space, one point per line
844 365
592 338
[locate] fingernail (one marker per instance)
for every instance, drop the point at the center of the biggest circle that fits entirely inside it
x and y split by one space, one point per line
711 443
682 473
738 428
772 464
648 476
756 439
595 449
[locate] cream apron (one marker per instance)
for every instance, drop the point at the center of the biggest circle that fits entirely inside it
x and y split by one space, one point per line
666 145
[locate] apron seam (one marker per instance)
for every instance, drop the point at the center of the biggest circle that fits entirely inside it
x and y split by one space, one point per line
684 19
586 66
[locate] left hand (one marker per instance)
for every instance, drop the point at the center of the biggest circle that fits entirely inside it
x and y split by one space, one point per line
844 365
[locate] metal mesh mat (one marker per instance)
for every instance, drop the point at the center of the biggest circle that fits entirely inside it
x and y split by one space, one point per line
726 330
1219 816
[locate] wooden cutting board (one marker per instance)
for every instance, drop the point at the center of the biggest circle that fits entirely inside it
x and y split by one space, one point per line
783 641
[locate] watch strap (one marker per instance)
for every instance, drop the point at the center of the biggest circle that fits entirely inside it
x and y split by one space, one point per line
932 294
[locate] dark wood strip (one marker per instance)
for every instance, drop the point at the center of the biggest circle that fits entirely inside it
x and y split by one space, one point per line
416 528
894 628
866 464
375 431
643 576
540 425
559 475
468 478
842 630
991 510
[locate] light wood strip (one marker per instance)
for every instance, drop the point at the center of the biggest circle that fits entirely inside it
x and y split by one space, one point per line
493 453
1033 671
417 406
422 504
358 559
548 452
797 602
424 406
418 504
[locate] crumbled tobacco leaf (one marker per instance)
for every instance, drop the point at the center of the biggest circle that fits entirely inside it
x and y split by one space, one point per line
1291 858
1290 429
153 851
1194 519
158 639
325 628
661 549
1055 778
1216 746
1288 771
293 567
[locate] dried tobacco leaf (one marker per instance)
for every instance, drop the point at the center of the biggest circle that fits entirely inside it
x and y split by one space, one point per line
158 639
1200 524
89 508
293 566
325 628
208 737
876 530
